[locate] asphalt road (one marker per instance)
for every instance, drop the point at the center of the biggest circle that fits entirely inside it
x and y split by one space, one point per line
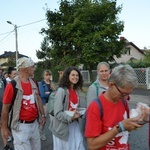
138 139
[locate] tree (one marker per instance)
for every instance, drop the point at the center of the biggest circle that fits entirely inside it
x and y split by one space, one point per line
85 32
147 56
45 53
11 61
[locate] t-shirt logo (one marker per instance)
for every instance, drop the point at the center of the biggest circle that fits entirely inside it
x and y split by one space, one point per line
28 101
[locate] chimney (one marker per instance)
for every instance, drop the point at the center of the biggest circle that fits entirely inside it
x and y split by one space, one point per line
121 38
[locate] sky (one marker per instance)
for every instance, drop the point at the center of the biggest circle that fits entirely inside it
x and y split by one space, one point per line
29 16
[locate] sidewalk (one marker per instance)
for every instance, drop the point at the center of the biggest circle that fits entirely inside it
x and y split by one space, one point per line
140 95
139 98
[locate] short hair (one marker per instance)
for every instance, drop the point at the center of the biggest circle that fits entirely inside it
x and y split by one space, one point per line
103 63
124 75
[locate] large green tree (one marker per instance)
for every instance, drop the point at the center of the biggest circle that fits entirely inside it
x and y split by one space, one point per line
85 32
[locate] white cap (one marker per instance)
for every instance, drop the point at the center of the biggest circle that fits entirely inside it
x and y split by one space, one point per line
24 62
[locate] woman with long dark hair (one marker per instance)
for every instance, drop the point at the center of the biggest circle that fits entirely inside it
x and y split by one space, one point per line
64 125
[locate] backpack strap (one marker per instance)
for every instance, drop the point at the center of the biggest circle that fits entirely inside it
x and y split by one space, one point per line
4 81
124 102
125 105
64 99
98 101
13 82
96 88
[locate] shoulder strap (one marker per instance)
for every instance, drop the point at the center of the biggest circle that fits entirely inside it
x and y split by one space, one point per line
125 105
124 102
98 101
4 81
96 88
64 96
13 82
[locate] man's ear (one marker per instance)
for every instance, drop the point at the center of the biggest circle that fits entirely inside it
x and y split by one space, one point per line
111 84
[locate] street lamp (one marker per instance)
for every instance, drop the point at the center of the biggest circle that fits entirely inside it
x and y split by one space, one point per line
16 40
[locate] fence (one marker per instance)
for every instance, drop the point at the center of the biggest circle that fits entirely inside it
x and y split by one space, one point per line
143 75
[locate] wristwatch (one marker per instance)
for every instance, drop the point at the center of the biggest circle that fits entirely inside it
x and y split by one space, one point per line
118 128
43 116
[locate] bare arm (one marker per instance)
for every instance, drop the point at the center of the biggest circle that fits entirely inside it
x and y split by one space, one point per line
95 143
40 105
43 119
98 142
5 118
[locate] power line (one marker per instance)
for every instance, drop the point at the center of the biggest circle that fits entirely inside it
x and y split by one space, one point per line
24 25
6 36
6 32
19 27
31 23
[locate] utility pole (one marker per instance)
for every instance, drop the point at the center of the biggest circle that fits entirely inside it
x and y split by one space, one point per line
16 40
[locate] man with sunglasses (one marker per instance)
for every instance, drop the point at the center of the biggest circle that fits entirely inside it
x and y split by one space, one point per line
111 131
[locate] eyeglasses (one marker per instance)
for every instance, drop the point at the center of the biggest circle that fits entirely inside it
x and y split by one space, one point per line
123 94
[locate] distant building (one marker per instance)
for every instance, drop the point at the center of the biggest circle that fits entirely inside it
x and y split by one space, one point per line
134 53
5 57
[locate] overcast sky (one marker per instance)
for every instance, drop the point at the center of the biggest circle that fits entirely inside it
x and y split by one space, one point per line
135 14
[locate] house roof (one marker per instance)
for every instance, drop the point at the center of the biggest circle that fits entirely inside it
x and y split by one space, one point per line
9 54
130 43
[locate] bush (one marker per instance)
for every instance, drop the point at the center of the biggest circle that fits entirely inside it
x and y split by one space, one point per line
139 64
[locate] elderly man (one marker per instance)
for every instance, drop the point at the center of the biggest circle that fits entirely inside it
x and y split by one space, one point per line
108 126
27 108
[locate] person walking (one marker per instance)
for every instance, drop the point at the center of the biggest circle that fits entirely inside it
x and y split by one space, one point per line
64 125
3 83
149 133
101 84
27 108
11 74
108 126
5 74
2 88
46 87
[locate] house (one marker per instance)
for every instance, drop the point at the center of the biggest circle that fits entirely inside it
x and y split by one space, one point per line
5 57
134 53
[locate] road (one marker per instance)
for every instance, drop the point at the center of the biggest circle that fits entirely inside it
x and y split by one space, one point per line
138 139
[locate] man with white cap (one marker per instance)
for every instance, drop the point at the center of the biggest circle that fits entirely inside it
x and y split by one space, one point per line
27 108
